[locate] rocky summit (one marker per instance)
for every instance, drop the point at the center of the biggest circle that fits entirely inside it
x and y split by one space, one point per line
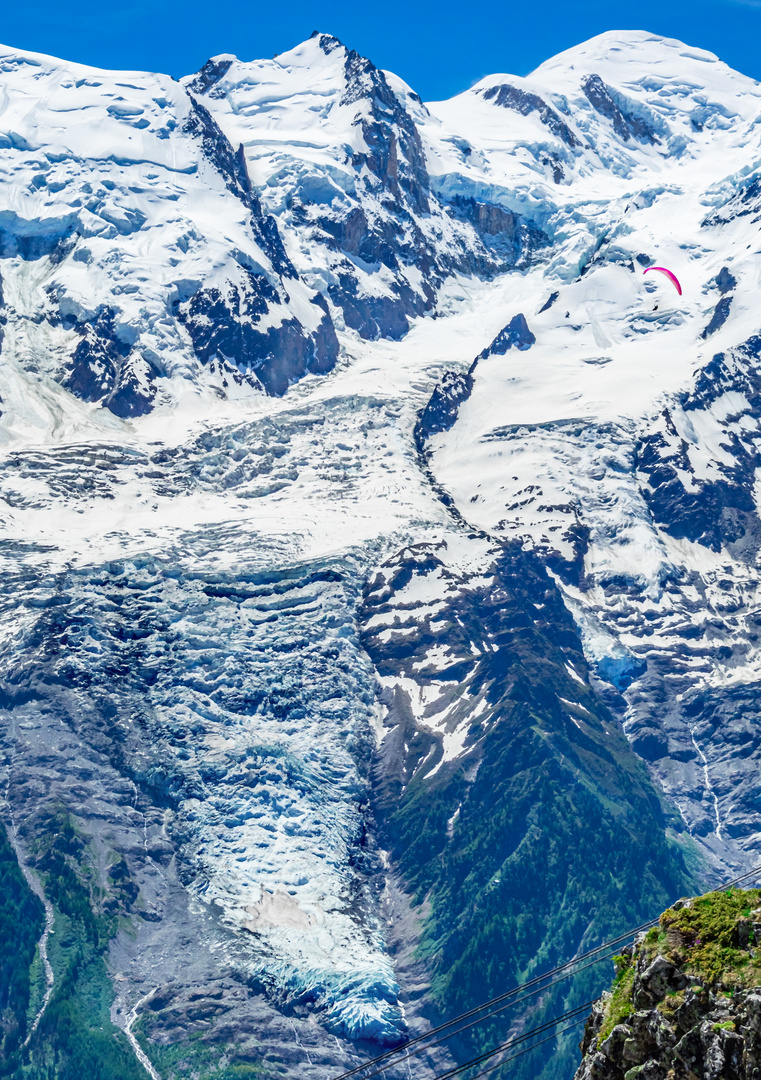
380 559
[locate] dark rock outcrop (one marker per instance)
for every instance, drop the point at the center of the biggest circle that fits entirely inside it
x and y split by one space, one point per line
378 224
455 387
513 237
720 509
104 367
209 76
394 152
520 101
626 123
224 327
440 414
686 1004
719 317
725 281
516 335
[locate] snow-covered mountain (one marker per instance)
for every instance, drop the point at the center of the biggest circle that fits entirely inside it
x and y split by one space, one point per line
380 543
137 258
337 149
623 446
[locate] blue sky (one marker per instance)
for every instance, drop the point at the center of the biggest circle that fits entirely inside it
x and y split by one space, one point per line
439 48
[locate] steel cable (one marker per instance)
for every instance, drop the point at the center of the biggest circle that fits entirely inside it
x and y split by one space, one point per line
540 1029
516 1040
403 1050
487 1004
528 1049
481 1019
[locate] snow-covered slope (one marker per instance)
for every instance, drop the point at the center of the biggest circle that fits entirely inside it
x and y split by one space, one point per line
137 264
622 445
329 669
622 111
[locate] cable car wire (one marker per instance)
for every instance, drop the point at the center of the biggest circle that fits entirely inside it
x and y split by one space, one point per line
562 970
493 1001
528 1049
516 1040
488 1016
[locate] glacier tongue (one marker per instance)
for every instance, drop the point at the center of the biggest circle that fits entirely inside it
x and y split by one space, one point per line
204 638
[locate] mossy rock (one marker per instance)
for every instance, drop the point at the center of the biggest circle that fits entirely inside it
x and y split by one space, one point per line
713 937
710 939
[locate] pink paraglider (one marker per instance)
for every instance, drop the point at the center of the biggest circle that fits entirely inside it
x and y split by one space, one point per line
672 277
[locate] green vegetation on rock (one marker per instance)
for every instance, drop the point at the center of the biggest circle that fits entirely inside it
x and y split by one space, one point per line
75 1037
545 839
196 1059
686 1001
22 918
710 937
620 1004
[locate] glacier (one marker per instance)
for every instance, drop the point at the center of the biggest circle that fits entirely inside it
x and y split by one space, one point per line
380 546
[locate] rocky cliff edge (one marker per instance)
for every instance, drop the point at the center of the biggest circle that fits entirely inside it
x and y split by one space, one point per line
686 1002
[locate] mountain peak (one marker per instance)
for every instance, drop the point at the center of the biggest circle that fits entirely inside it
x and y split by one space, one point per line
327 42
318 50
212 71
634 55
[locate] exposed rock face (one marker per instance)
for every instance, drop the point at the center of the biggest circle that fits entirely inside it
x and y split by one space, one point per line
626 122
511 240
719 317
223 326
215 146
686 1005
209 75
103 369
515 335
372 210
711 510
443 405
511 97
725 281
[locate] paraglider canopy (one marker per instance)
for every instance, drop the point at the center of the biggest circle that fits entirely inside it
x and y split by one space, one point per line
672 277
